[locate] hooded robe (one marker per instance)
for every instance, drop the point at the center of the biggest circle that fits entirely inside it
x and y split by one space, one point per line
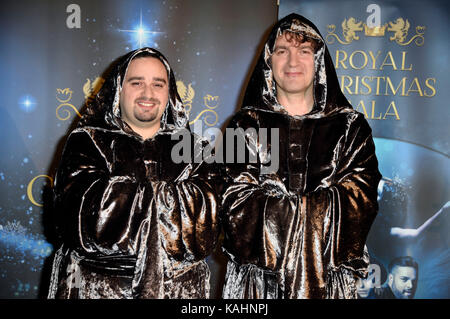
299 231
132 222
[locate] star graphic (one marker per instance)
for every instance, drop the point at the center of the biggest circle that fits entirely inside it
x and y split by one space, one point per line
140 33
27 103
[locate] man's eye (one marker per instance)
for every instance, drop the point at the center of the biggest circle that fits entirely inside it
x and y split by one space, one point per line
135 83
280 51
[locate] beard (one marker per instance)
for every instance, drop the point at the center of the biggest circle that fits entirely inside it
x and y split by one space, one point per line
143 115
403 293
146 116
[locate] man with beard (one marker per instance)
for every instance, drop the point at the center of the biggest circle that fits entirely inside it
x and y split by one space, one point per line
298 231
402 280
133 222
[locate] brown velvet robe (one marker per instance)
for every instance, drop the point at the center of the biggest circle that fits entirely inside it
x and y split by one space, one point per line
133 224
300 232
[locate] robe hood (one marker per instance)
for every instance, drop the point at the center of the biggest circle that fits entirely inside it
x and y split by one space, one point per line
261 90
104 110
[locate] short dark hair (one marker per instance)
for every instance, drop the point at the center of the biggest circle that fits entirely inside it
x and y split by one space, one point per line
142 54
299 38
404 261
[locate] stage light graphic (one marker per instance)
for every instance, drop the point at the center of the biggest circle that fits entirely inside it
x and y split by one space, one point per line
140 36
27 103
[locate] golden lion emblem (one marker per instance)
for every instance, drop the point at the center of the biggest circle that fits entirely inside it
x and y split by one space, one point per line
349 29
400 28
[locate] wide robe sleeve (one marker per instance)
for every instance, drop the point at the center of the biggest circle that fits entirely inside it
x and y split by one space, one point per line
127 211
300 244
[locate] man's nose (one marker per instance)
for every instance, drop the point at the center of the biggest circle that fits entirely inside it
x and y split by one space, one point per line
409 284
148 90
293 59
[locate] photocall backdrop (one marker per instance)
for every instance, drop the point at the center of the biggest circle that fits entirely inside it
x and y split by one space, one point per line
392 62
54 54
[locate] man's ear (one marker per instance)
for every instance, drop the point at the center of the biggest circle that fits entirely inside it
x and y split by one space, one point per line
390 280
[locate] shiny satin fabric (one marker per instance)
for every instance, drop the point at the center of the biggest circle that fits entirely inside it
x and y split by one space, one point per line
300 232
133 224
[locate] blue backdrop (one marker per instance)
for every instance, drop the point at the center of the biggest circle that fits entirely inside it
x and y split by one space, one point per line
54 54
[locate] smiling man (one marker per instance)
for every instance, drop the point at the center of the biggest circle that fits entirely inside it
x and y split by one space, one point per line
144 96
132 222
300 231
